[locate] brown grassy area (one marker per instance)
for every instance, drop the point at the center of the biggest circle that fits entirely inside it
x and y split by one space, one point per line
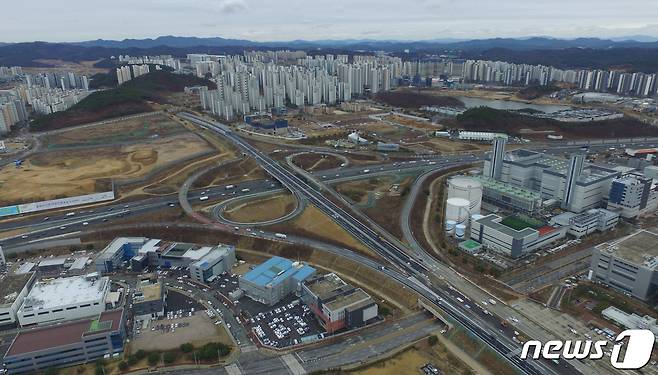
357 191
262 209
409 361
74 172
314 162
386 211
315 224
243 170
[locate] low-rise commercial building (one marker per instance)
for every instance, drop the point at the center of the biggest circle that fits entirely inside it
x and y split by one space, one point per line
67 344
493 234
150 299
629 264
219 260
274 279
336 304
62 299
13 289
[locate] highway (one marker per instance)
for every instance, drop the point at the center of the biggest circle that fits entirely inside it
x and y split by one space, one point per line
408 266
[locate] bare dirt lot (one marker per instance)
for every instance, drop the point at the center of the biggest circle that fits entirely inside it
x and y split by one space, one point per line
200 331
150 127
58 174
262 209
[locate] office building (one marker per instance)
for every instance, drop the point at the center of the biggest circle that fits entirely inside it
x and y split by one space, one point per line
117 253
218 261
632 195
140 252
336 304
71 343
492 233
629 264
13 289
274 279
57 300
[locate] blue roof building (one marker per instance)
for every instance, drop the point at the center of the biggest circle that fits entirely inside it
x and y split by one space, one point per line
274 279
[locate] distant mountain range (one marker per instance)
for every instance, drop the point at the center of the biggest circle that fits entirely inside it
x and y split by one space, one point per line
633 53
390 45
641 41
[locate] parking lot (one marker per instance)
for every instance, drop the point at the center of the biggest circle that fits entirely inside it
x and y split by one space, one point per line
177 329
288 323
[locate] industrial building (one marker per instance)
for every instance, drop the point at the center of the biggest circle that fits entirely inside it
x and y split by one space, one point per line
388 147
493 234
67 344
508 196
13 289
150 299
596 219
219 260
336 304
577 185
632 195
629 264
58 300
274 279
631 321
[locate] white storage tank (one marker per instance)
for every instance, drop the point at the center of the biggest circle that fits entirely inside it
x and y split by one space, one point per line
450 226
460 230
467 188
476 217
458 209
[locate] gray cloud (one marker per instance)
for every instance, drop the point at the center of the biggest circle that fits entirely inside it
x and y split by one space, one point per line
269 20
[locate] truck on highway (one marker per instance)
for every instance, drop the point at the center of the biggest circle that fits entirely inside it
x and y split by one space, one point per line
245 190
205 197
280 235
366 171
229 187
492 301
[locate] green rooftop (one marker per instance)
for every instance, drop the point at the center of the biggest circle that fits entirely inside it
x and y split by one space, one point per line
519 192
470 244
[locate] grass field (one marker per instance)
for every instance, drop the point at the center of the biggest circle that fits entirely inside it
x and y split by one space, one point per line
261 209
520 222
314 162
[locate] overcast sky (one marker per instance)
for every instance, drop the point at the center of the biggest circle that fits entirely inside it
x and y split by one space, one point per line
279 20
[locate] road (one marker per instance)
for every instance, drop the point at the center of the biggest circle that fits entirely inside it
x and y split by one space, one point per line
407 265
